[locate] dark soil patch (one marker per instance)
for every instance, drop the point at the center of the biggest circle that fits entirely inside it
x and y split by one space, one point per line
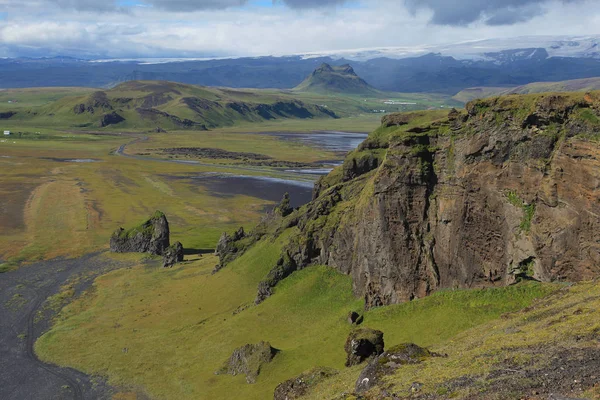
23 375
205 152
14 198
265 188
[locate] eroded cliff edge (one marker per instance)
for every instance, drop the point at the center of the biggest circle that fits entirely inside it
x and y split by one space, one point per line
506 190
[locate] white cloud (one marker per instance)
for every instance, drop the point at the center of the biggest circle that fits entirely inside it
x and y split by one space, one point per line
40 28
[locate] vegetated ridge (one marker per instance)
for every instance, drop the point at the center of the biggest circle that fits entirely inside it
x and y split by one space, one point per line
333 79
162 105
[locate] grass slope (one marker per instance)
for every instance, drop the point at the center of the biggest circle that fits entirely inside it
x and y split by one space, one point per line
503 359
178 326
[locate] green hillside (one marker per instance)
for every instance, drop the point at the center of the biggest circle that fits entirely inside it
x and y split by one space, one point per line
166 105
328 79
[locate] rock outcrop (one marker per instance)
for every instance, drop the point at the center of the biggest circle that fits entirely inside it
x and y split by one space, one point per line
173 255
248 360
507 190
301 385
362 344
152 236
111 118
229 248
388 362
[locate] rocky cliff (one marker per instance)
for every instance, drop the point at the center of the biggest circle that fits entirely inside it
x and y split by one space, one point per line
504 191
152 236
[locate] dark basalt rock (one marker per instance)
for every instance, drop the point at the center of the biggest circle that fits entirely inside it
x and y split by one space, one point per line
248 360
110 119
173 255
362 344
284 208
152 237
229 248
356 166
285 266
301 385
355 318
388 362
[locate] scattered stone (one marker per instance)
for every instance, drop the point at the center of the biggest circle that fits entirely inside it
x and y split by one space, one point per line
152 237
248 360
173 255
361 344
355 318
300 386
388 362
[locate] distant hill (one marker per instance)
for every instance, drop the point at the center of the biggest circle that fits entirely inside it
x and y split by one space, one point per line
331 79
168 105
576 85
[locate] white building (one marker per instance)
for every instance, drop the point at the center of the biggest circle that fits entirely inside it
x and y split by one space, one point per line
6 133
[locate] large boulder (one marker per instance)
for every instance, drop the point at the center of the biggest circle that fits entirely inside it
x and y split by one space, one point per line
173 255
301 385
388 362
248 360
152 236
362 344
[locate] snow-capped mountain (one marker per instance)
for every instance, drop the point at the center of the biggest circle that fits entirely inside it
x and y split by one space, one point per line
499 50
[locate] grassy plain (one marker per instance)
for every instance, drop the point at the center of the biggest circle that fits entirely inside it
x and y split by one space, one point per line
55 207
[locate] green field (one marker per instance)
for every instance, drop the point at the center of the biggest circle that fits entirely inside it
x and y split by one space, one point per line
179 325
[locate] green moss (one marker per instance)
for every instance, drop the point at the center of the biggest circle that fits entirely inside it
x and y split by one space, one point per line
588 116
146 228
528 210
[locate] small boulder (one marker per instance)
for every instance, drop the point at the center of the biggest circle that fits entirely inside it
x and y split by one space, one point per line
173 255
355 318
361 344
248 360
388 362
151 236
300 386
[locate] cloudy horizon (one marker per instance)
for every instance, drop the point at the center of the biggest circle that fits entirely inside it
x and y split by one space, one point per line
222 28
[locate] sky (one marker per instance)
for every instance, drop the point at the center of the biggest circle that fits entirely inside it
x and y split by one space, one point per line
220 28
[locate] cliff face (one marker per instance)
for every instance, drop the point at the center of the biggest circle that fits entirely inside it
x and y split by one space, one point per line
507 190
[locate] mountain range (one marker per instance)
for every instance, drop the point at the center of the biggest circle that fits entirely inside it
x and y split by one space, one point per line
442 69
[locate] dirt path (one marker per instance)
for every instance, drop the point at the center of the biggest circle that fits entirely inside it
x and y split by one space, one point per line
24 317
